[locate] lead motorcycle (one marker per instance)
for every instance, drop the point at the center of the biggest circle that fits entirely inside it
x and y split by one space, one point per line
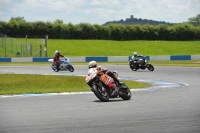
140 63
64 66
102 85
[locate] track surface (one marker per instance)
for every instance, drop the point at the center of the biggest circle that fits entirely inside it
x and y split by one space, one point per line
170 110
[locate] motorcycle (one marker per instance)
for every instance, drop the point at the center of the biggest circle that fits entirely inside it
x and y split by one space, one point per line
102 85
140 63
64 66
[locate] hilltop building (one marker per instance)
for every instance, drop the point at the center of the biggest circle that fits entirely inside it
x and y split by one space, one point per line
137 21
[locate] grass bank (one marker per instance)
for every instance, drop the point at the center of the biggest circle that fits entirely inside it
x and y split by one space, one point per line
112 48
37 84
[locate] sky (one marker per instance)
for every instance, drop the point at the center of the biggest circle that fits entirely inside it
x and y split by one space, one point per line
99 11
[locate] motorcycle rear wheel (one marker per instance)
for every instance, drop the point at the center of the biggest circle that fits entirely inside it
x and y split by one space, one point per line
125 92
54 68
101 95
133 67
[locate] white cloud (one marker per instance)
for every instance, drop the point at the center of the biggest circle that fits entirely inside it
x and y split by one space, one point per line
99 11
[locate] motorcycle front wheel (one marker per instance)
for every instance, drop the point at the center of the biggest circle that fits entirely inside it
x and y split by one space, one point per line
150 67
70 68
101 93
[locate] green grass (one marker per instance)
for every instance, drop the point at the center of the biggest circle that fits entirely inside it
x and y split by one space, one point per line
123 48
116 48
36 84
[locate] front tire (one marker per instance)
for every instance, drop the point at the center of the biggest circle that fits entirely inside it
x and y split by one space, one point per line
70 68
100 94
150 67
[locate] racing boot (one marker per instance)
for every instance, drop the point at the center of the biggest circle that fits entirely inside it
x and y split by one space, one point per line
114 91
58 67
115 78
118 82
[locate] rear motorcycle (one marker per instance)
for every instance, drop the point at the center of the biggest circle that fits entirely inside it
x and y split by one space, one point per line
140 63
102 85
64 66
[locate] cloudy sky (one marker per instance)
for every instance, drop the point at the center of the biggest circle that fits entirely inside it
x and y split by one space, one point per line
99 11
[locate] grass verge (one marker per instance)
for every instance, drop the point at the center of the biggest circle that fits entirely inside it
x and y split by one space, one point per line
104 47
38 84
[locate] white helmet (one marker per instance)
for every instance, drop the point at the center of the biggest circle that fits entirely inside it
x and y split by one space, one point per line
92 64
135 53
57 52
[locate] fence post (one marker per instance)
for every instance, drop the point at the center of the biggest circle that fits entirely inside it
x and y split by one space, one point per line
30 49
22 50
2 41
45 48
26 45
40 50
11 45
5 45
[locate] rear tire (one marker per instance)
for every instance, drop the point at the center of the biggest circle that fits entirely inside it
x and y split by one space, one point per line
133 67
125 92
101 95
54 68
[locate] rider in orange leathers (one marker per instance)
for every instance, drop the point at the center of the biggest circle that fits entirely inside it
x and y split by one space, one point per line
93 66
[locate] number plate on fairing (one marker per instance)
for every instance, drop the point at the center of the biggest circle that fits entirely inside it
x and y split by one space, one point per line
90 77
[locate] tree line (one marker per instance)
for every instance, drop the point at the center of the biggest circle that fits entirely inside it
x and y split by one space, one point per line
19 28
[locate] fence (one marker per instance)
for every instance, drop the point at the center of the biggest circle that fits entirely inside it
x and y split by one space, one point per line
22 47
104 58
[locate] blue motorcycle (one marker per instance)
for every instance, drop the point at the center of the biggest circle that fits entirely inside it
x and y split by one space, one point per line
64 66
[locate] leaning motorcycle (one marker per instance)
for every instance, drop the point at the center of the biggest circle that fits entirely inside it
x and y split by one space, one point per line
64 66
140 63
102 85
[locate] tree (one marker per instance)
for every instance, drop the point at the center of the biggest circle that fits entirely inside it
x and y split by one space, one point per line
18 19
195 20
58 21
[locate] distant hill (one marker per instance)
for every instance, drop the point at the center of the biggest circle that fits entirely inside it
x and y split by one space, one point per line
139 21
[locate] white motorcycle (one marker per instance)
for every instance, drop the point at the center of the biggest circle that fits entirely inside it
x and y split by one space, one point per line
64 66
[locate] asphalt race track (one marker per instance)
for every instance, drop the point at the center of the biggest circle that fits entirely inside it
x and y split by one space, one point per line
165 110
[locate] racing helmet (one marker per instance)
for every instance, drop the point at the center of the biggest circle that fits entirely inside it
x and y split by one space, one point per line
57 52
135 54
92 64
